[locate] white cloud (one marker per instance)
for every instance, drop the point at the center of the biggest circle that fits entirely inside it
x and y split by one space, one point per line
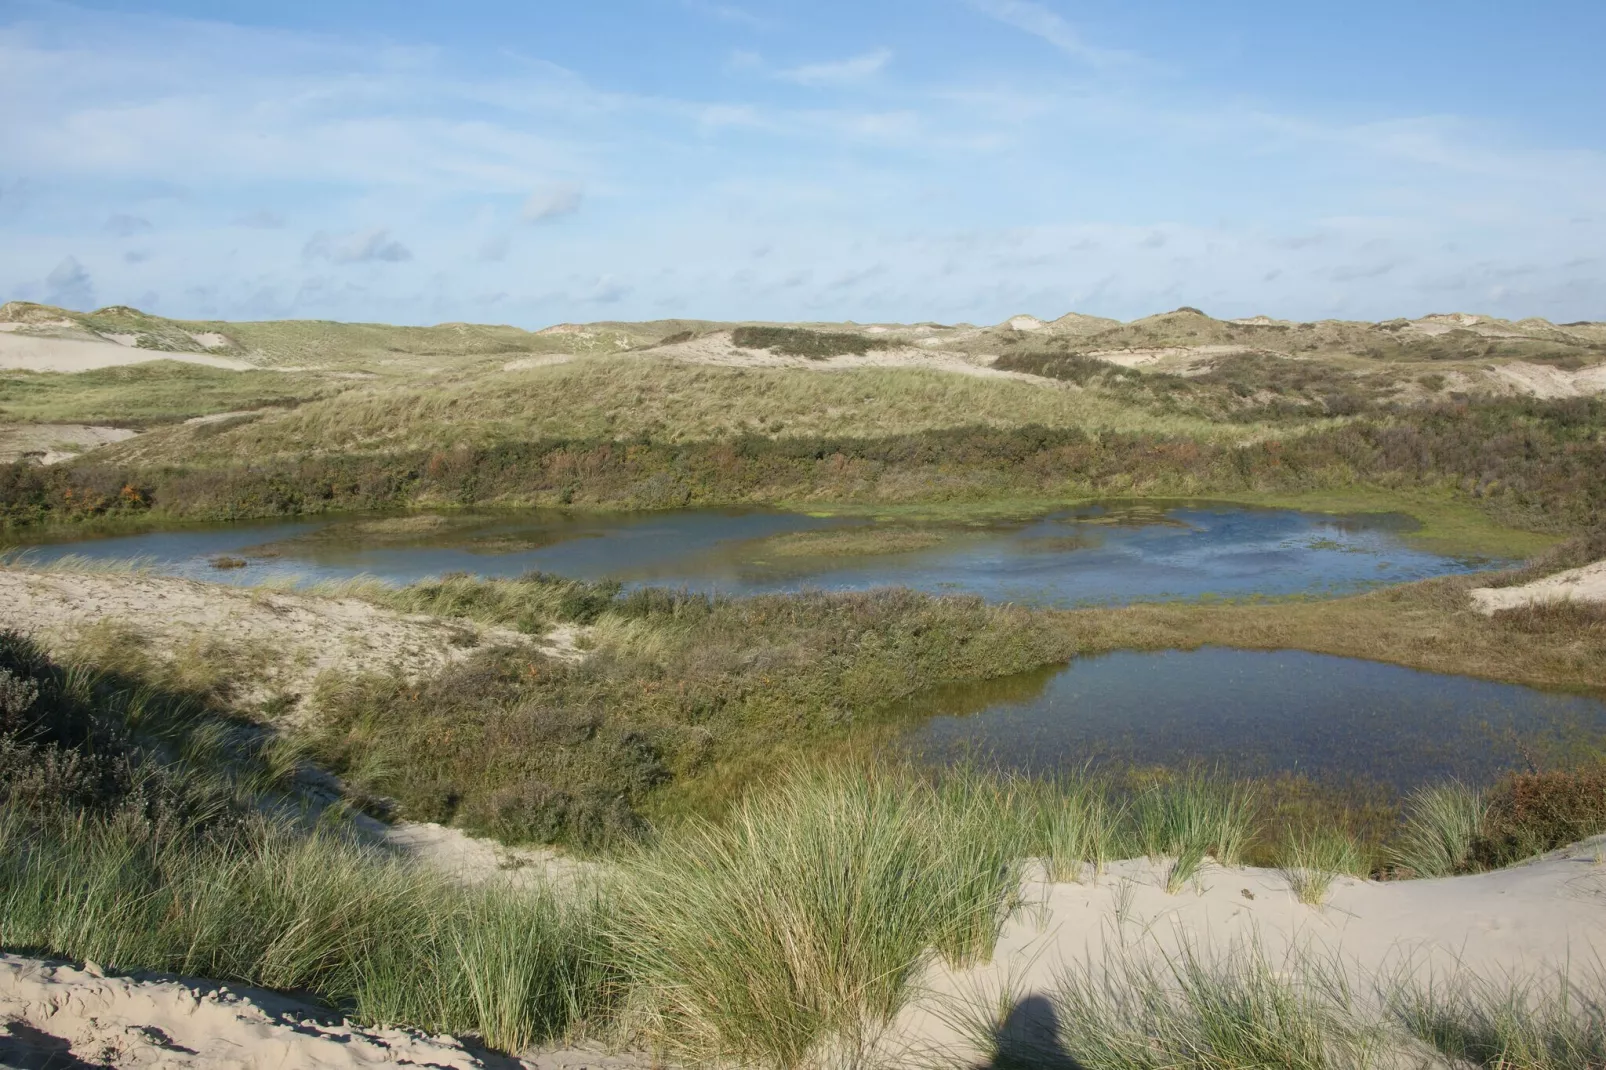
839 72
363 246
552 202
1043 22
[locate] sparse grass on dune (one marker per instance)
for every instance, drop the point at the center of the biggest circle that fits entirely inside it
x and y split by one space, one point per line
1143 1009
147 395
1514 1025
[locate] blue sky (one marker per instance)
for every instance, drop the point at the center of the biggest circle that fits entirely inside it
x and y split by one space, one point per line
536 162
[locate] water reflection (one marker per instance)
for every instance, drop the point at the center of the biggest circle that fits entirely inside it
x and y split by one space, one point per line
1252 712
1104 553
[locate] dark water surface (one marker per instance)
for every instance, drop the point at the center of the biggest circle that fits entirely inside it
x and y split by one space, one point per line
1095 554
1249 712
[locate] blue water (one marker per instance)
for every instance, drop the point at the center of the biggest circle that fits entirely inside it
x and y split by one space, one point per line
1093 555
1250 712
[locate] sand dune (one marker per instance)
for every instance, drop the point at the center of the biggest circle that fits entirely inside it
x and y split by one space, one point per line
1586 584
36 353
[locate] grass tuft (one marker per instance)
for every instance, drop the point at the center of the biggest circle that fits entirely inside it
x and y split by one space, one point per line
1313 857
1440 830
794 927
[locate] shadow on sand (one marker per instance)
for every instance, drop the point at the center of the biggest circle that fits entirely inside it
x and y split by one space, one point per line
1029 1039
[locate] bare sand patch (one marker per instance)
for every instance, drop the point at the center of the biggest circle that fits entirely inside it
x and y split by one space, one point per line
1180 360
56 442
1547 381
1586 584
36 353
305 635
53 1009
1527 921
717 349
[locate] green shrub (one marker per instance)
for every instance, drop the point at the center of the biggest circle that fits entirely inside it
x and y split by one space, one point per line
796 342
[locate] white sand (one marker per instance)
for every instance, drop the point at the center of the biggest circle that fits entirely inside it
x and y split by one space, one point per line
1586 584
1181 360
1547 381
298 636
1528 921
77 1016
56 442
36 353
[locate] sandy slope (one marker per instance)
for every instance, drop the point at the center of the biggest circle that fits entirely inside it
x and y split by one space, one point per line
57 442
298 636
1528 921
37 353
1586 584
56 1015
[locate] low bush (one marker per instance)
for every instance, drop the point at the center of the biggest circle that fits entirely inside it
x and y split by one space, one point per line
796 342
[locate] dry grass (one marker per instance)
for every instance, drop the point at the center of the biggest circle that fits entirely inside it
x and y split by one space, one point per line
624 397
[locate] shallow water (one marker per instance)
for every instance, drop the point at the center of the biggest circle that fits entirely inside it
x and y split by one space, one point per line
1096 554
1249 712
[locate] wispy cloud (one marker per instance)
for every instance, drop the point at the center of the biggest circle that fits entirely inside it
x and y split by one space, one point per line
839 72
552 202
363 246
729 13
1041 21
126 226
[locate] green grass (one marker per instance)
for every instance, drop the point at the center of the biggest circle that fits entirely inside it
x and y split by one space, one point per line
619 398
868 541
1441 828
1313 857
388 942
795 927
1517 1025
1143 1009
1185 1012
146 395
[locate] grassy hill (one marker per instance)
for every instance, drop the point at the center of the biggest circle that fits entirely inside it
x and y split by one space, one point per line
1485 412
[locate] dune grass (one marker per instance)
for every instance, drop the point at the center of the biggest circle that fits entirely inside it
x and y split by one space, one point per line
272 907
798 923
1314 856
1512 1025
1440 830
1145 1009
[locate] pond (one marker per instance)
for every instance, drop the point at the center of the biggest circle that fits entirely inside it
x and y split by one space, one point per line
1248 712
1097 554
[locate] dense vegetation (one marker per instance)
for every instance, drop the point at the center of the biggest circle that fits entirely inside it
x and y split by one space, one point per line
816 345
1527 463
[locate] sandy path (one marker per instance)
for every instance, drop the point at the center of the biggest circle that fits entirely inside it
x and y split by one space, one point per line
36 353
60 1016
1586 584
57 442
1530 920
294 637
